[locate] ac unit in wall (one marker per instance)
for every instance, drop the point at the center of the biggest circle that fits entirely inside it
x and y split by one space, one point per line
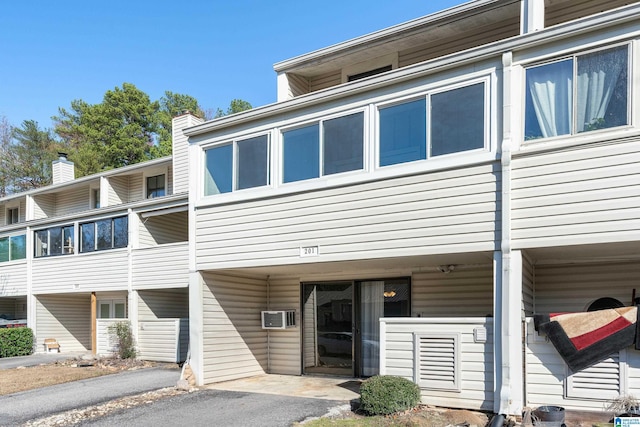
281 319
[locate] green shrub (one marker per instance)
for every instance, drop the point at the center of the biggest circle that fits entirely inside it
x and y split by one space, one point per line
16 342
125 341
386 394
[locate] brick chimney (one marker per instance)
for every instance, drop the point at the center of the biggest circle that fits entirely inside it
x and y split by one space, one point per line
63 170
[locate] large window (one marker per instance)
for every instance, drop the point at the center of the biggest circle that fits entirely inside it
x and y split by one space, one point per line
238 165
104 234
340 140
456 122
578 94
13 248
54 241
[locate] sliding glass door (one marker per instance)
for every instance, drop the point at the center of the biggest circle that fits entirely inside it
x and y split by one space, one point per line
341 328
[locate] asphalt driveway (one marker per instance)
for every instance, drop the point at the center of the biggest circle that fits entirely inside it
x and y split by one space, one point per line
27 405
220 408
204 407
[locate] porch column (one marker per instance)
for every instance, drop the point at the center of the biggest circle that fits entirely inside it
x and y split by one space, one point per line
508 398
132 315
94 311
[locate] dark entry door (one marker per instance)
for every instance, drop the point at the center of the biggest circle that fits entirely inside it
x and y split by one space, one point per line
341 332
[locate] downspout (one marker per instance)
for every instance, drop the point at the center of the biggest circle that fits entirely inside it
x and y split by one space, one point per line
504 327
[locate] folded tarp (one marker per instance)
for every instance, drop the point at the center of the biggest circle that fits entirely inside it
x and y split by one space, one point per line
586 338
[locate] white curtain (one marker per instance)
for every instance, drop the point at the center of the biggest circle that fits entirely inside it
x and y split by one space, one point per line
550 88
372 311
596 81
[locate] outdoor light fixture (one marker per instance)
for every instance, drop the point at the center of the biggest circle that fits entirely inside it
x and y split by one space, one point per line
446 269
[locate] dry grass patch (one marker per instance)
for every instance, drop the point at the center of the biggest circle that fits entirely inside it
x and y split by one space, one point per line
28 378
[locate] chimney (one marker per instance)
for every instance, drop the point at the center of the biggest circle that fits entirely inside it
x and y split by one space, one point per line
62 170
181 150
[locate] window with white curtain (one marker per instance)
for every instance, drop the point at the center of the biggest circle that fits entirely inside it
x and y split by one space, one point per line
578 94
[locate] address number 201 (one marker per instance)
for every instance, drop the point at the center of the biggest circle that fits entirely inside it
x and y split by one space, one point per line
306 251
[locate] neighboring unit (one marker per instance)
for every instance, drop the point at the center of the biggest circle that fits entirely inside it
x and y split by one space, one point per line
81 254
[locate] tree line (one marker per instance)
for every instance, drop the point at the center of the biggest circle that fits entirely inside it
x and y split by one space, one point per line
127 127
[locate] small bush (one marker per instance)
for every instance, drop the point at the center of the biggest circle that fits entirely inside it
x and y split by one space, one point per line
16 342
125 341
386 394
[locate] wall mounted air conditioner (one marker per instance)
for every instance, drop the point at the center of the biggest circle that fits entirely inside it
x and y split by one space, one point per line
281 319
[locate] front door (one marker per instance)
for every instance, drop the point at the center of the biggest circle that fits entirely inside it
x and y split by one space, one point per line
341 328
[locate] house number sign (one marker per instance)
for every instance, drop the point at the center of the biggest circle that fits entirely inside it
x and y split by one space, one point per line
306 251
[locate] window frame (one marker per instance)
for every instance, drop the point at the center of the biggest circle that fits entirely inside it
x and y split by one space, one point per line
10 256
485 80
8 214
72 248
233 142
95 234
573 56
321 160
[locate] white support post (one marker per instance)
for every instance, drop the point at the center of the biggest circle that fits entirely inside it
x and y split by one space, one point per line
532 12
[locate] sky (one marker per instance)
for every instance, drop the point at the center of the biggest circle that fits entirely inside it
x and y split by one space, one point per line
53 52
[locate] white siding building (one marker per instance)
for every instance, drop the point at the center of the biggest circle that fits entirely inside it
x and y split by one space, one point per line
416 195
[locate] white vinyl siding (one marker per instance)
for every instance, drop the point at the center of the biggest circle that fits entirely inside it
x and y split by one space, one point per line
284 345
558 12
162 304
104 271
162 229
44 206
326 80
572 288
106 342
443 212
159 267
164 340
234 345
178 179
474 366
65 317
136 187
528 289
118 190
591 195
13 278
72 200
467 291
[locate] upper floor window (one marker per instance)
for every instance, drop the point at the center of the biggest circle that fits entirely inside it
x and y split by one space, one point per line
578 94
13 248
325 148
155 186
236 166
104 234
95 197
13 215
54 241
454 122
